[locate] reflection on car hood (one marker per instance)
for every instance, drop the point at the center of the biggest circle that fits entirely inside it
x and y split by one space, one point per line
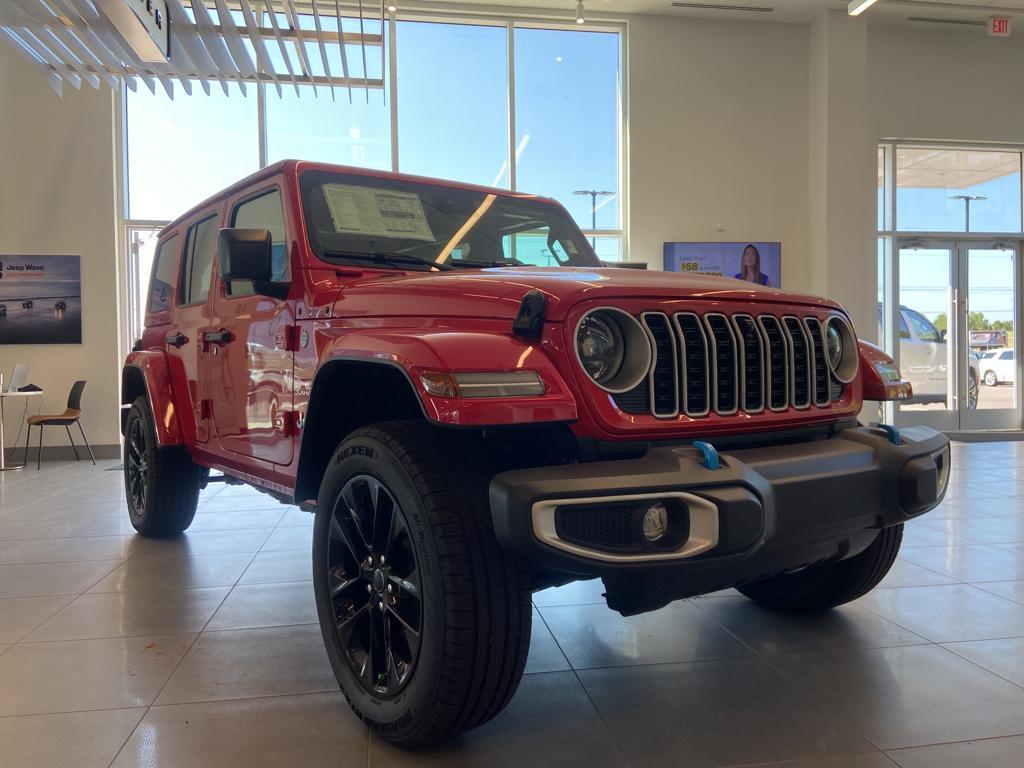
497 293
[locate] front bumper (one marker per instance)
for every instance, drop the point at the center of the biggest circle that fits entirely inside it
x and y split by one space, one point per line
774 509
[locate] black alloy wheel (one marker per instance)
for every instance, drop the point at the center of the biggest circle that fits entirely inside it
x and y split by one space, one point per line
374 583
137 465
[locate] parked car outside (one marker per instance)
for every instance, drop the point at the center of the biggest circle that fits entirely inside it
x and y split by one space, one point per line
924 359
998 367
469 427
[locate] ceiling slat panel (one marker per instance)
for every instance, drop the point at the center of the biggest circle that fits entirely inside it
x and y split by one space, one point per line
45 70
262 57
272 15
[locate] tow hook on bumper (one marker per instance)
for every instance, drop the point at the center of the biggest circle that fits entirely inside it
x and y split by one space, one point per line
753 510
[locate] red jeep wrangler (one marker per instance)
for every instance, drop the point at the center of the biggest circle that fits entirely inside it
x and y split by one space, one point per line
475 408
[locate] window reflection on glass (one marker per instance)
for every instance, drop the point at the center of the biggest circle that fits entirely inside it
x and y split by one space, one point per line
991 323
453 102
925 309
946 190
882 224
182 151
567 120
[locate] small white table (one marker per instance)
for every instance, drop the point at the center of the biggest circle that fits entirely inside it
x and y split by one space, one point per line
4 466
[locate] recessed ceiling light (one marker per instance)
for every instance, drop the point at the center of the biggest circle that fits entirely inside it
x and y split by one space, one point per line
857 7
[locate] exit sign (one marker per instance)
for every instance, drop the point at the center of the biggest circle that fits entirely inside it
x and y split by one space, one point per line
998 27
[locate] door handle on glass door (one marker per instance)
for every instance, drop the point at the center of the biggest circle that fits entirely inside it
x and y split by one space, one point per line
217 337
177 339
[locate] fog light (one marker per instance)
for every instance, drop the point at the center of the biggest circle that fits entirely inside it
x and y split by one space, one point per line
655 522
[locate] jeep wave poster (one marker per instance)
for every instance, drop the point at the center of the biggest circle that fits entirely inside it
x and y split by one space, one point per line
40 300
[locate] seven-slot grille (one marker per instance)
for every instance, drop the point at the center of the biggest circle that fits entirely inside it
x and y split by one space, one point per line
714 363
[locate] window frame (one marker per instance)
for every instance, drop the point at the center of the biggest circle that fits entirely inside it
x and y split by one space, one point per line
234 204
185 270
150 314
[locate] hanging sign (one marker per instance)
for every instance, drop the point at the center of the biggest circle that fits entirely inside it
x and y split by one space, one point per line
998 26
143 24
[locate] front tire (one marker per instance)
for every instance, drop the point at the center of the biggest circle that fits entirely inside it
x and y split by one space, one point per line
826 585
161 485
990 378
425 619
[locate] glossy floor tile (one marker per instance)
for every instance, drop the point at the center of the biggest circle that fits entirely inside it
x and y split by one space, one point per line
203 649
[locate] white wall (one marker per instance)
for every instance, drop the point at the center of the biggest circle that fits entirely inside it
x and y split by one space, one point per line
57 196
954 85
718 126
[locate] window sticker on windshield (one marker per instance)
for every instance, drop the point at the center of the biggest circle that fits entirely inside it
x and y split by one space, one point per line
377 212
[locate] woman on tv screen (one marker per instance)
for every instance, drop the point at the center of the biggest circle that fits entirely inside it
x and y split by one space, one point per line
750 267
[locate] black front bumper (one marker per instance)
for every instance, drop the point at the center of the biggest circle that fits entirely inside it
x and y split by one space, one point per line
779 508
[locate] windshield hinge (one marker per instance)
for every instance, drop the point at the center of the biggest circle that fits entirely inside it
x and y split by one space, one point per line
530 318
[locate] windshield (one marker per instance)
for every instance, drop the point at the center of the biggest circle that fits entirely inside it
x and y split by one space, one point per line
355 219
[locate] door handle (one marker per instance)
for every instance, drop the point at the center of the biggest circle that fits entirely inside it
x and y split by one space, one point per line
217 337
177 339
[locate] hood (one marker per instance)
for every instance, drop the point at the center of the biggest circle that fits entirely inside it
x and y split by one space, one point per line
497 293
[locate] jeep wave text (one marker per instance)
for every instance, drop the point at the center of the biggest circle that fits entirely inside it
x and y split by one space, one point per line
475 408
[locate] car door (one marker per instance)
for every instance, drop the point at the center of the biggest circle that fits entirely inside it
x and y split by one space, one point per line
251 348
927 366
190 320
1004 366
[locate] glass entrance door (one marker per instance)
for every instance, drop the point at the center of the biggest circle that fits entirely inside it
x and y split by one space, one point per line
988 272
955 326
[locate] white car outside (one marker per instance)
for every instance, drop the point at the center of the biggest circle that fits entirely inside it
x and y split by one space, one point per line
998 367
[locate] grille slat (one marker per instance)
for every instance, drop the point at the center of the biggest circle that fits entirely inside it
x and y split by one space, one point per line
725 374
714 363
751 363
778 363
822 377
694 349
664 378
800 362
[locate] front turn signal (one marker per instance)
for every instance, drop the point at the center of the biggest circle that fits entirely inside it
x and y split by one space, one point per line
477 385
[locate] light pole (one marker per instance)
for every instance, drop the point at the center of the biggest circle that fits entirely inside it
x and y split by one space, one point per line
594 194
968 199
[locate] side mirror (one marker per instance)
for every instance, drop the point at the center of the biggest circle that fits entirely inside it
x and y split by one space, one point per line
942 334
244 254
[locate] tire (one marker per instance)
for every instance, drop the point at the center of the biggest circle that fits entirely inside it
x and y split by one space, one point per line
824 586
972 391
168 479
471 600
990 378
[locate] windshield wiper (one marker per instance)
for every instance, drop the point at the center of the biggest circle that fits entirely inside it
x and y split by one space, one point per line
386 258
485 264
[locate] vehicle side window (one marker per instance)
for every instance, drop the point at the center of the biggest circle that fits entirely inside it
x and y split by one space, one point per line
1007 355
161 285
904 331
923 328
199 250
263 212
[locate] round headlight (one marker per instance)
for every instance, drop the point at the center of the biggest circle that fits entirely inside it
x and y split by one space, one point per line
601 348
834 345
841 349
613 349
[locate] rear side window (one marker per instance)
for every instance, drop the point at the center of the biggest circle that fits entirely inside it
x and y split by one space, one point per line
161 285
263 212
199 250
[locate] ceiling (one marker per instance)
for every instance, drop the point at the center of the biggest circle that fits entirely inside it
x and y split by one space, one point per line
940 168
886 11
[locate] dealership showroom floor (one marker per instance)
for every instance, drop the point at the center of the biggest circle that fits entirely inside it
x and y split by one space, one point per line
204 651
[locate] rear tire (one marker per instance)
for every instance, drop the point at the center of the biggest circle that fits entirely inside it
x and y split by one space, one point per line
455 630
826 585
161 484
990 378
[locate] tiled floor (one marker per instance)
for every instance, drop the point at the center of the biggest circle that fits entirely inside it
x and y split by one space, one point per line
203 651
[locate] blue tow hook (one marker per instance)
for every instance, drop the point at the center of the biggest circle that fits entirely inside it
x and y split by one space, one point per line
892 432
709 456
